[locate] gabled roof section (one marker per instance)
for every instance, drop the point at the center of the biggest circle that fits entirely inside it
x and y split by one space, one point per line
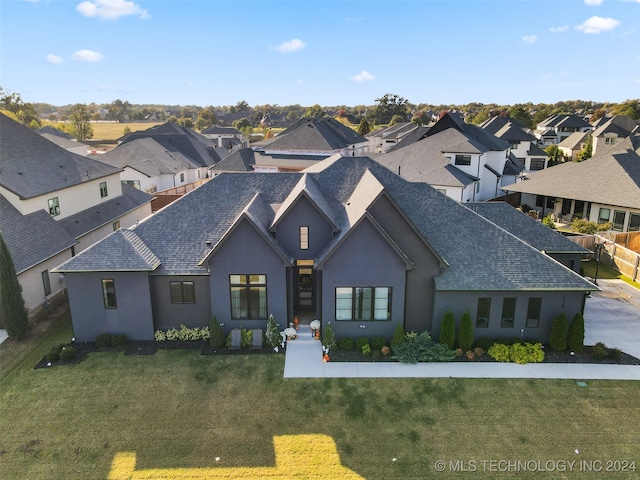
494 124
31 238
123 245
368 189
513 166
322 134
217 129
63 142
512 134
25 155
49 130
413 136
621 125
306 187
472 132
619 165
574 140
239 161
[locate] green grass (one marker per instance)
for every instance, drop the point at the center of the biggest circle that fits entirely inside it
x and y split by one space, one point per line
606 272
182 409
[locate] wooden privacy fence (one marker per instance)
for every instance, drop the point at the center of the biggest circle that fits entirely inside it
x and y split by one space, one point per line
165 197
613 254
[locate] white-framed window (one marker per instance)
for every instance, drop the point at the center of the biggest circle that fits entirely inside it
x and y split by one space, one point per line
604 215
103 190
54 206
537 164
463 160
116 225
609 140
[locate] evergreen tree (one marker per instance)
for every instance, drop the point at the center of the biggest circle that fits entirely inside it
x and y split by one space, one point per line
575 339
558 336
448 330
217 338
465 334
364 127
12 311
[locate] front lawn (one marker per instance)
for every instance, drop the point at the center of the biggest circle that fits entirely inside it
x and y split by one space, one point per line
178 408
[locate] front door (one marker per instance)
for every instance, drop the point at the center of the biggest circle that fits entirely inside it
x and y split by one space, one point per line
304 284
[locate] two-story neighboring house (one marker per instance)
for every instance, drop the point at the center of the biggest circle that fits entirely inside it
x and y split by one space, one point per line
609 131
54 204
307 142
164 156
347 242
460 160
604 188
556 128
228 137
574 144
383 140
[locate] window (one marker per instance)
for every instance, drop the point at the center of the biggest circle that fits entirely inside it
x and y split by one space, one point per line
248 297
304 238
609 140
54 207
103 190
484 311
604 215
578 209
182 177
182 292
363 303
116 225
464 160
533 312
618 220
634 222
46 283
133 183
537 163
442 190
508 312
109 293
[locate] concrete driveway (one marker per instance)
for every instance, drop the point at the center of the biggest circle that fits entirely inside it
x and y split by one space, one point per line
612 316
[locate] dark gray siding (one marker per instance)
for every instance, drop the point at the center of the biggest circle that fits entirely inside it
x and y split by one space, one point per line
570 260
364 259
553 303
247 252
420 283
133 317
303 213
167 315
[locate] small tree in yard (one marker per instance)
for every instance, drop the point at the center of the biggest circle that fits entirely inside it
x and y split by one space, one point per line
558 336
548 222
448 330
465 334
398 336
575 339
12 311
272 334
217 338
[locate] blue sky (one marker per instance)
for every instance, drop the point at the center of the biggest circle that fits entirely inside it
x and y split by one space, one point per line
331 52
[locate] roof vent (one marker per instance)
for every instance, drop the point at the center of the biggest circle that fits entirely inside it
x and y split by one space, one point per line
208 243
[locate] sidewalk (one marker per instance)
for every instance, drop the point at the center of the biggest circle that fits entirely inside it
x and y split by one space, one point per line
304 360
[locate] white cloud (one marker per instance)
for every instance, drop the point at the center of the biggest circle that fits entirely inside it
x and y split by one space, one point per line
563 28
530 39
111 9
363 76
593 3
51 58
87 56
289 46
598 24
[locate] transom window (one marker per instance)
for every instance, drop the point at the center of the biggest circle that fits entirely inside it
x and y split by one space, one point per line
363 303
248 297
109 293
484 312
54 207
304 238
533 312
508 312
463 160
182 292
103 190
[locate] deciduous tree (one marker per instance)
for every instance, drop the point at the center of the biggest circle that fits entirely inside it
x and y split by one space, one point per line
80 119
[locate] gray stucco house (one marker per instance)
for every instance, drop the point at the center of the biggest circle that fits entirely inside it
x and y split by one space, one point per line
346 241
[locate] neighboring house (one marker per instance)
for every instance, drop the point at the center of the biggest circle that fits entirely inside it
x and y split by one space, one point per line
228 137
54 204
347 242
381 141
604 188
460 160
573 144
539 236
556 128
611 131
64 140
239 161
306 142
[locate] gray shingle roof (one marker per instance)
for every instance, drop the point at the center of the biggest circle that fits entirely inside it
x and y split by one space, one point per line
480 256
314 134
472 132
217 129
574 140
63 142
610 177
494 124
239 161
106 212
25 156
31 238
49 130
621 125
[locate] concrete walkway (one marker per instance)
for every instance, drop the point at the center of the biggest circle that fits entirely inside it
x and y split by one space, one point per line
3 335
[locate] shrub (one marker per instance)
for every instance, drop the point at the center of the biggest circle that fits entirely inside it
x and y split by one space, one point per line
377 343
160 336
67 353
246 338
599 351
345 343
470 355
329 337
615 354
484 343
465 334
398 336
478 351
103 340
53 355
375 355
500 352
119 340
385 351
527 353
575 339
216 336
548 222
448 329
422 348
558 335
272 334
366 349
361 342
